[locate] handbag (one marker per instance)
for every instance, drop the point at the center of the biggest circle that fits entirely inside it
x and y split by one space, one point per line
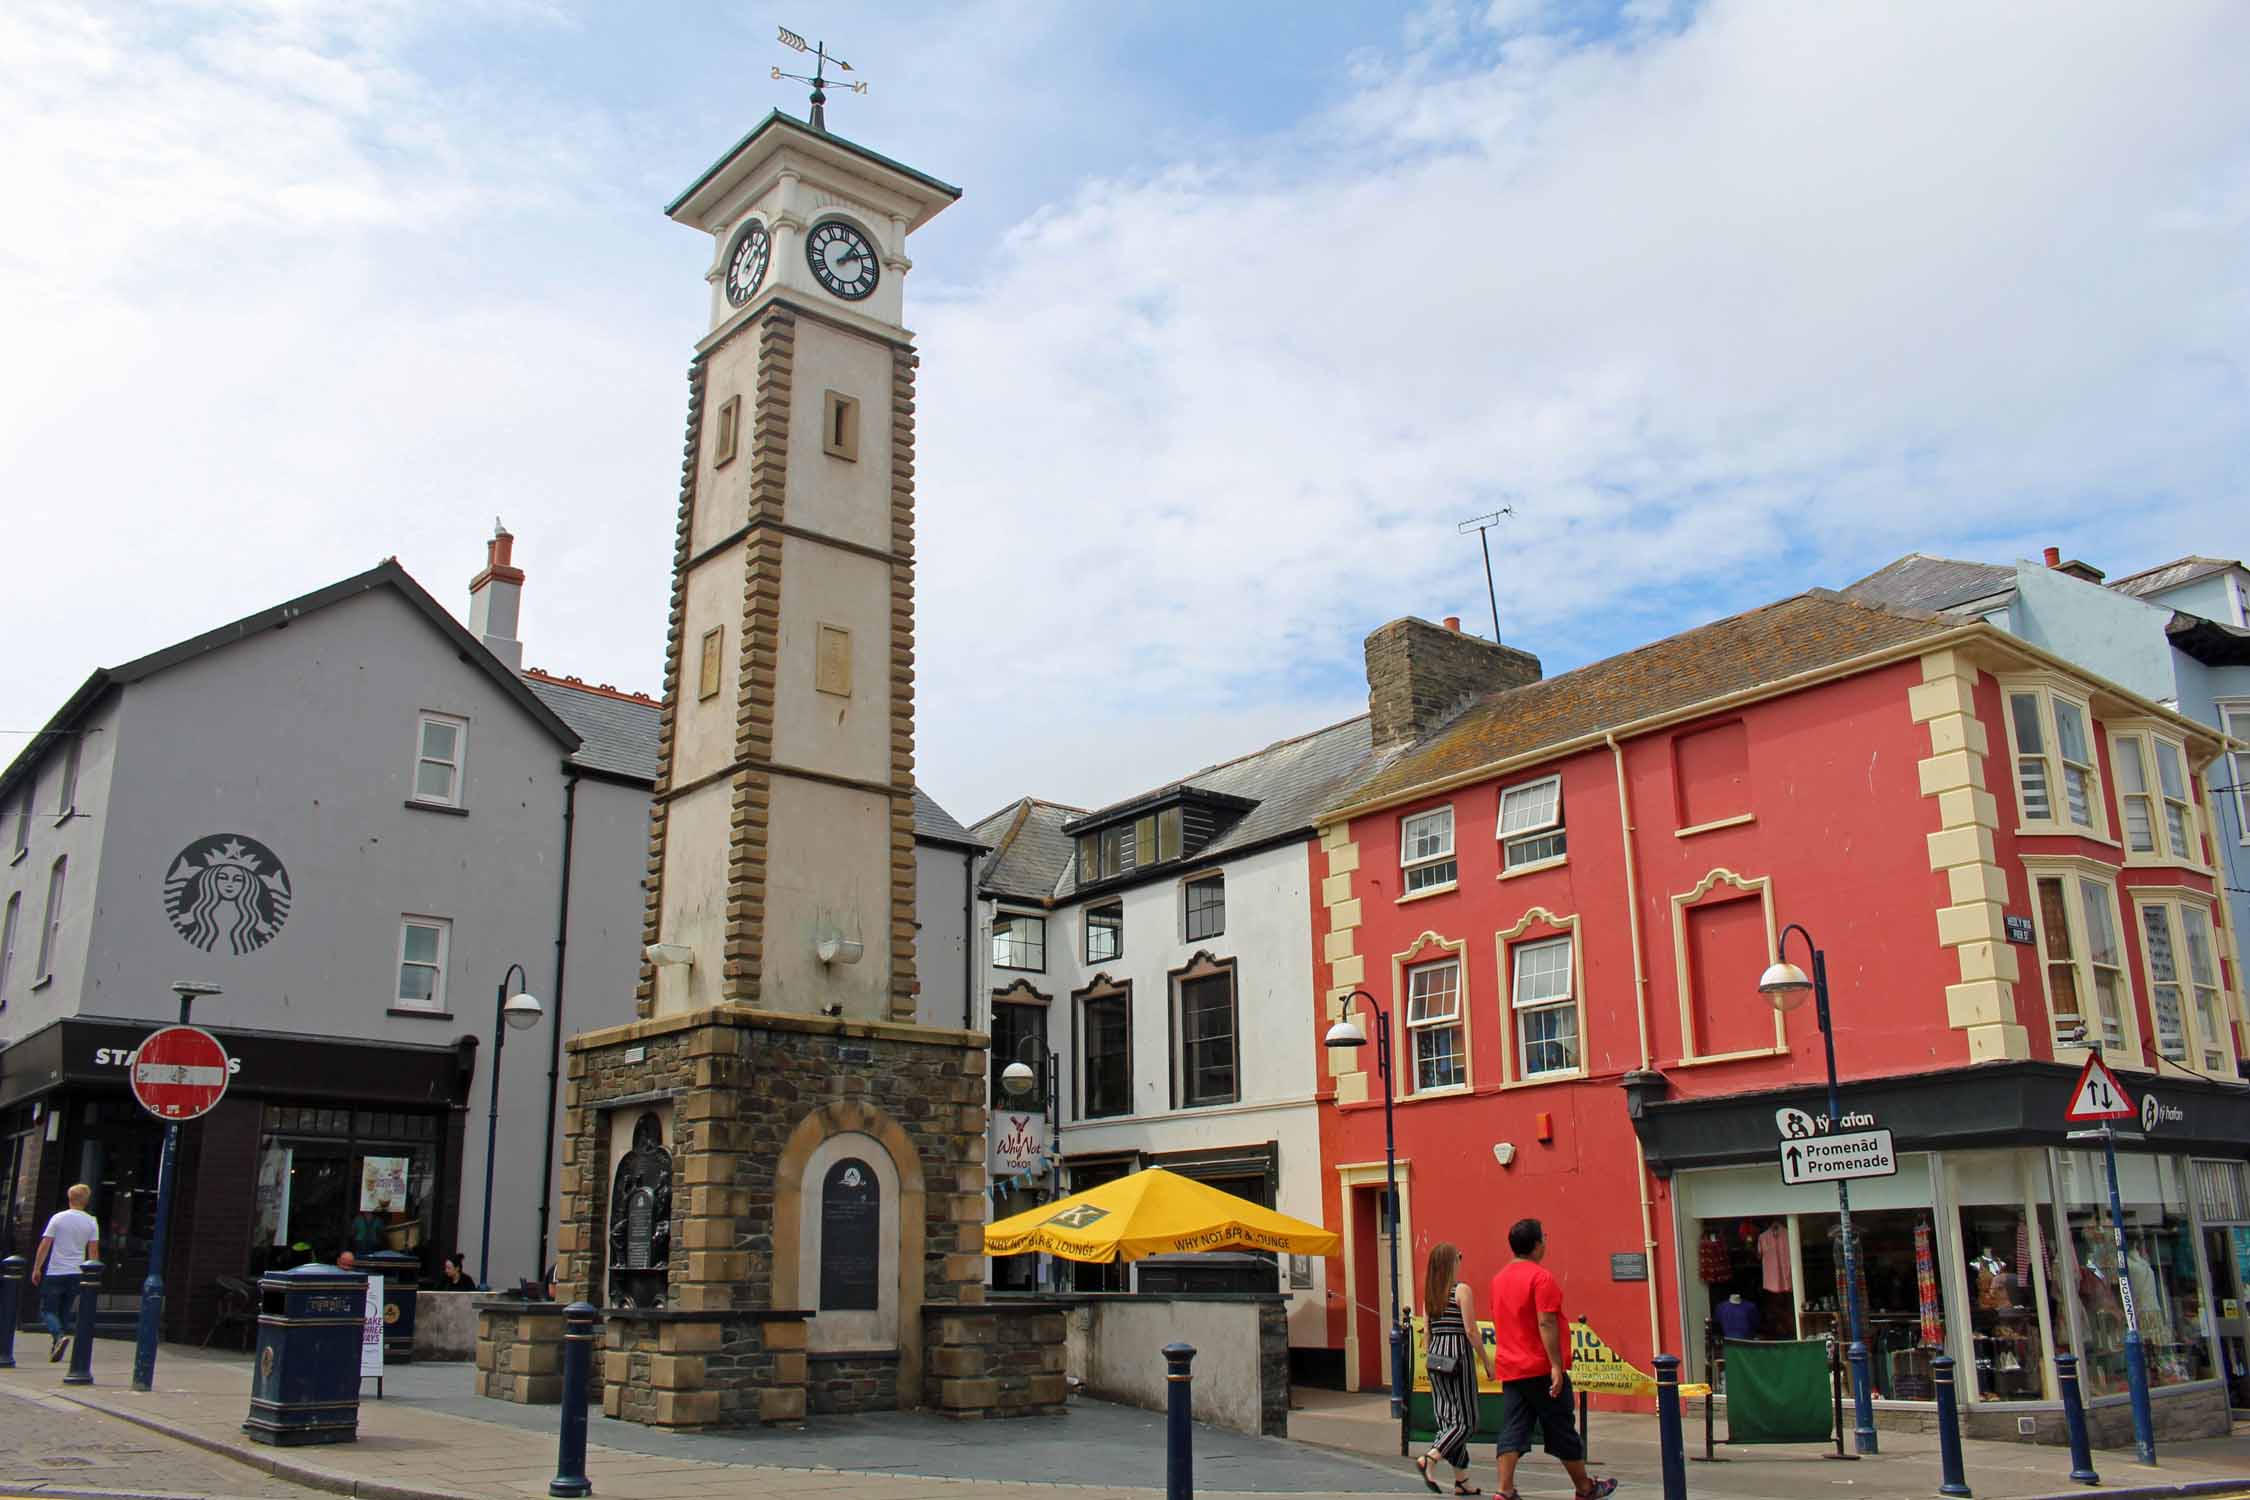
1442 1364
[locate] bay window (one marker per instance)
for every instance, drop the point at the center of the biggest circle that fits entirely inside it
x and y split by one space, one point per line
2185 999
2084 962
2057 786
2155 798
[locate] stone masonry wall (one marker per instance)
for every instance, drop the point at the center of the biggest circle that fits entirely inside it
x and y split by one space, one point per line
852 1380
997 1360
1419 674
519 1353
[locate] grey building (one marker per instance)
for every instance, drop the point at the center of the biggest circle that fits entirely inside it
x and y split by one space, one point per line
355 816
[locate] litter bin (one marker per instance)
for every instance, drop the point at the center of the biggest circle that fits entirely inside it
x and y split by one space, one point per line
399 1272
305 1388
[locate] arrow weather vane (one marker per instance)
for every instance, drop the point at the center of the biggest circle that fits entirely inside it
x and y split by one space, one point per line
821 57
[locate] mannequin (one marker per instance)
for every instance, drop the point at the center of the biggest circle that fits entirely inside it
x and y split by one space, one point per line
1738 1318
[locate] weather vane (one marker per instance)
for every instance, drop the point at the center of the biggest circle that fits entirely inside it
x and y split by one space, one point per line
821 57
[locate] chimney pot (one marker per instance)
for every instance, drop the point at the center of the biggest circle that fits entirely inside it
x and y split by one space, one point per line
2054 557
1453 623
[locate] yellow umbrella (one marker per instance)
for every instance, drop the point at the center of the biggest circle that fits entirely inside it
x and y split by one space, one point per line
1153 1212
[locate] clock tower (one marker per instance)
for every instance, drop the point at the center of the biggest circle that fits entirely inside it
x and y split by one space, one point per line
775 1177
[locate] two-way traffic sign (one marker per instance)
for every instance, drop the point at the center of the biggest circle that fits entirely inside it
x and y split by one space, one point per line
2098 1095
1832 1158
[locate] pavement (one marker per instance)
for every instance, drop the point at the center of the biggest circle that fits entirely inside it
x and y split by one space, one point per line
429 1438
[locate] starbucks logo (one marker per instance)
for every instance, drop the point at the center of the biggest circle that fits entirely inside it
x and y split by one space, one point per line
227 887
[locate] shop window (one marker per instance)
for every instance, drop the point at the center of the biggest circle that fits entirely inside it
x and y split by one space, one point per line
1531 824
2084 966
2057 786
1439 1044
1105 1060
1425 851
335 1179
1711 774
1902 1295
1544 999
2009 1354
1019 941
1747 1266
2158 1269
422 942
1105 932
1206 1041
438 740
1206 908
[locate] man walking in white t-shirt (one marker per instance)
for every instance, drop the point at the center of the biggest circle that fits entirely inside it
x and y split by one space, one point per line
65 1248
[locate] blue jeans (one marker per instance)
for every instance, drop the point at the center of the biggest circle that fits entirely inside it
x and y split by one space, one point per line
58 1298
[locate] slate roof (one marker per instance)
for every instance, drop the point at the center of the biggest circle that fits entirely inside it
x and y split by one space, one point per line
2171 575
934 825
1030 852
618 729
1800 634
1919 581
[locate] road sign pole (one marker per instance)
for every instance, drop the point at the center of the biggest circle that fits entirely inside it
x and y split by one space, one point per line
2136 1357
152 1285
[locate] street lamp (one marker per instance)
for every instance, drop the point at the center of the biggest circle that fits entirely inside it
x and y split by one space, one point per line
1785 985
1347 1032
1019 1078
517 1012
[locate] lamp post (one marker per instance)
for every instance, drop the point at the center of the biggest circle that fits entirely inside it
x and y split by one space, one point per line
1785 985
518 1012
1019 1078
1347 1032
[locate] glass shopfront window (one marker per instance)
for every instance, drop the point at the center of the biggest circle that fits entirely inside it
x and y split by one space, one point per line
2159 1269
1999 1197
332 1178
1902 1298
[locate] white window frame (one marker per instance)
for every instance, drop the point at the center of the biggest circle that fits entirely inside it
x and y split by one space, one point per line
436 1004
2076 874
459 765
50 926
1441 865
2145 748
2047 692
2208 1049
11 918
1455 1020
1522 847
2234 721
67 801
1562 934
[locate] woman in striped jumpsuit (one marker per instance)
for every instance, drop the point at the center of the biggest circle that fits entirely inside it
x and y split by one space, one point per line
1455 1351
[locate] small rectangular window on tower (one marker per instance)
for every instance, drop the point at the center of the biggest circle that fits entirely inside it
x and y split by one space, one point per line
723 439
839 426
832 661
707 667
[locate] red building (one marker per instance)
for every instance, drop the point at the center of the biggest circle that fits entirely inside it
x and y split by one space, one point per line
1563 895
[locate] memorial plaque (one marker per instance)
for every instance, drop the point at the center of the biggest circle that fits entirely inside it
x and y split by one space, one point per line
851 1252
640 1219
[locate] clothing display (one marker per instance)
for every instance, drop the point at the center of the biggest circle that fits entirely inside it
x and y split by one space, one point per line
1711 1258
1737 1319
1773 1257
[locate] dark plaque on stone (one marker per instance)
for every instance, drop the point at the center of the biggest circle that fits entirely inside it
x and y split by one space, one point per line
851 1251
640 1219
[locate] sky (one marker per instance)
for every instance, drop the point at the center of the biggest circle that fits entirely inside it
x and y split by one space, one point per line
1243 309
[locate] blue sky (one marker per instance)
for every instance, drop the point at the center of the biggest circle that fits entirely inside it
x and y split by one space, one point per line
1245 306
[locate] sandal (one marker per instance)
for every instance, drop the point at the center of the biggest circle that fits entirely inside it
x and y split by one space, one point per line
1422 1467
1463 1487
1600 1489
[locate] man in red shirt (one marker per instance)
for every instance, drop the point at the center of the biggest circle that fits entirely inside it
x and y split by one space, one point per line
1533 1364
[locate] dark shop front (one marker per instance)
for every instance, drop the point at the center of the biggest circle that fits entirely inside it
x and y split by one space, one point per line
321 1144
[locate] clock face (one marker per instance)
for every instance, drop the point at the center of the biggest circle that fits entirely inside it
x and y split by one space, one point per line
746 263
842 260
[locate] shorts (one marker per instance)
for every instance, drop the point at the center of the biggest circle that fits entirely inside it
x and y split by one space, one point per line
1525 1402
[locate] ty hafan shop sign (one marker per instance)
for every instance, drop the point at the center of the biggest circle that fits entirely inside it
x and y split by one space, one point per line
1810 1152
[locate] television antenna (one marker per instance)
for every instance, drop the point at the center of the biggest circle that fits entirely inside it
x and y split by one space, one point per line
818 78
1480 525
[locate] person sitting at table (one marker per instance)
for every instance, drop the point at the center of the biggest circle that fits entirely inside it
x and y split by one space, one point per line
453 1275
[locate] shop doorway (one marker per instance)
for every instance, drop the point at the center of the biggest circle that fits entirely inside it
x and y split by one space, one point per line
2222 1190
1367 1272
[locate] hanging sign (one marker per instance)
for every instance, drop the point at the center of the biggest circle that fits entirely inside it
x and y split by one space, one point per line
1019 1142
180 1073
2098 1095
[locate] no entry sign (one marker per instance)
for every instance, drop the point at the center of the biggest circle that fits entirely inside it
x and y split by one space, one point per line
180 1073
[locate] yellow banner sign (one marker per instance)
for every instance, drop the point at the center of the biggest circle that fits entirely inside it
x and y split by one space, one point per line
1594 1365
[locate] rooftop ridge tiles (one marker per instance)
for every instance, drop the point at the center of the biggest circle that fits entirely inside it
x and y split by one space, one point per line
600 689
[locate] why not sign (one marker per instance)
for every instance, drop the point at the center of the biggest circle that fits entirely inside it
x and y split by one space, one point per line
180 1073
1832 1158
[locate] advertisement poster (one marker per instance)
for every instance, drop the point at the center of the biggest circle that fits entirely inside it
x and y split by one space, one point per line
273 1195
371 1332
382 1184
1594 1365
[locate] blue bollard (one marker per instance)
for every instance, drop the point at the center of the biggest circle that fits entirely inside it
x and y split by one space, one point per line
1668 1442
570 1479
1951 1480
82 1342
13 1270
1179 1437
2074 1419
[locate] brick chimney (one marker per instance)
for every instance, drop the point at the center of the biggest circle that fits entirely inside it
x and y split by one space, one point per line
496 598
2075 568
1419 675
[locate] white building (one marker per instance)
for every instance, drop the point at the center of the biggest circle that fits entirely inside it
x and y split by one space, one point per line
1162 947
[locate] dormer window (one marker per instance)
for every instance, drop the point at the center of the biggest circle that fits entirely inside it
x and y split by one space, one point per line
1147 840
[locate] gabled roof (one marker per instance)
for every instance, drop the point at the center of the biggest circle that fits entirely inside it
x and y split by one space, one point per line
384 575
2171 575
618 729
1738 654
1030 852
934 825
1919 581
